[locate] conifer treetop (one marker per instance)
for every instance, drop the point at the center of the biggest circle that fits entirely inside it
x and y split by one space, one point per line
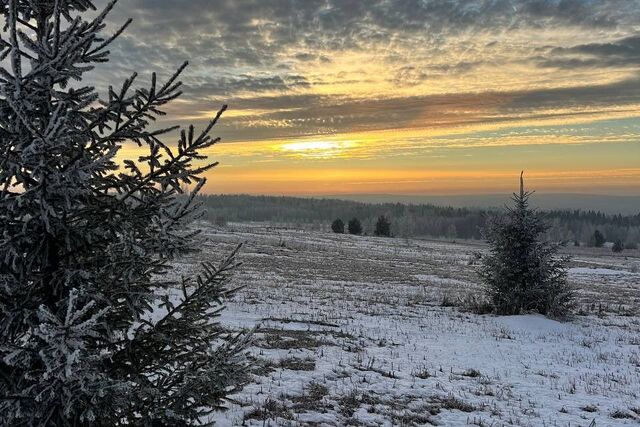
93 329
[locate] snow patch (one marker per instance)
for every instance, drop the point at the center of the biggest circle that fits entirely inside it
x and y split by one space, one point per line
532 323
598 271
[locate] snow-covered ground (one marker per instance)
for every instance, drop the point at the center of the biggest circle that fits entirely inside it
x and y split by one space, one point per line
353 331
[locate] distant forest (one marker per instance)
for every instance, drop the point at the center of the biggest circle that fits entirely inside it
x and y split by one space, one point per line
408 220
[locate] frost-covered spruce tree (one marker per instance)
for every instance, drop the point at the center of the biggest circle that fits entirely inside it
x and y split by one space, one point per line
522 272
92 330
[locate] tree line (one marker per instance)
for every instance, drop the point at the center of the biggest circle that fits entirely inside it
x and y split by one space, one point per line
408 220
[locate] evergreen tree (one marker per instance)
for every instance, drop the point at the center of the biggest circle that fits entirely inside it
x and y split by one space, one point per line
598 239
414 220
354 226
522 273
383 227
618 246
92 330
337 226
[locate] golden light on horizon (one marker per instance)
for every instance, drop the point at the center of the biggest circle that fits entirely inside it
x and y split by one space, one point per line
316 104
346 180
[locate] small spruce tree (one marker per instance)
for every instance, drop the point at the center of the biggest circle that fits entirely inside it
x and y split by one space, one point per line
598 239
92 330
354 226
383 227
618 246
521 272
337 226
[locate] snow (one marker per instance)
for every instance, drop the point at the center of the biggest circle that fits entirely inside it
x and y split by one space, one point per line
366 313
598 271
533 323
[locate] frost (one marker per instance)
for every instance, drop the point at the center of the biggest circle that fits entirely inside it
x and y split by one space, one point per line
85 242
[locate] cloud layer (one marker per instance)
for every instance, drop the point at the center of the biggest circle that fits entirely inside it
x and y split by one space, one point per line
325 68
318 66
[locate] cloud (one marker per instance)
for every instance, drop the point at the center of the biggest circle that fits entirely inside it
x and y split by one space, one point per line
619 93
589 13
283 58
624 52
245 83
289 116
237 33
409 76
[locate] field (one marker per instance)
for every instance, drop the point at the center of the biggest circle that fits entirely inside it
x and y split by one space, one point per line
369 331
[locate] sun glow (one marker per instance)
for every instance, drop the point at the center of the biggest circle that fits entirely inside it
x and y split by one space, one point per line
317 149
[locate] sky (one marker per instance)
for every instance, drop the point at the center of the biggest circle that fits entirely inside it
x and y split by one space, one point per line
399 97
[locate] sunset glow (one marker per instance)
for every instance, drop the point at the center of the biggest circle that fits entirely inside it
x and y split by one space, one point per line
420 97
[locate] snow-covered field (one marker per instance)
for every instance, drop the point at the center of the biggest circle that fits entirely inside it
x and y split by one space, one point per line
365 331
